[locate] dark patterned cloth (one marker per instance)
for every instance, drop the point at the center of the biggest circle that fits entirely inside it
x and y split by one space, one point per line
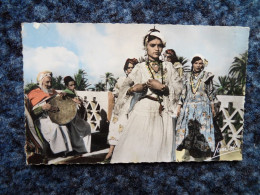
195 142
153 178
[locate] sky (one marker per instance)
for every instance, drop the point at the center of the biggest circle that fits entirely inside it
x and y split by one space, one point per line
63 48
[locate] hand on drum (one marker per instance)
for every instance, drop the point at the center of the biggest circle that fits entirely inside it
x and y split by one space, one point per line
46 107
76 100
62 94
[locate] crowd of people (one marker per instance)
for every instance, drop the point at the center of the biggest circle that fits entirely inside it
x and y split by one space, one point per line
158 109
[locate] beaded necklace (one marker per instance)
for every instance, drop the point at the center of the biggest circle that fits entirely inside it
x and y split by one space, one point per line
152 71
159 97
194 88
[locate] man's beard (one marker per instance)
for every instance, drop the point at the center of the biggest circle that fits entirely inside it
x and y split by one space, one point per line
45 90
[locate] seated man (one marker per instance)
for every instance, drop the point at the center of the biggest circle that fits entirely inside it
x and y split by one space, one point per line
56 135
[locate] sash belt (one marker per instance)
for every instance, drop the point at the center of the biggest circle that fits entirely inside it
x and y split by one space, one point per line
161 108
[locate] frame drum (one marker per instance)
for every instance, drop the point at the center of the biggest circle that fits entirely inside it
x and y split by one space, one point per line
65 110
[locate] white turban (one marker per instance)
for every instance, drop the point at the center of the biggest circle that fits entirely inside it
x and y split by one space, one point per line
156 34
42 75
205 61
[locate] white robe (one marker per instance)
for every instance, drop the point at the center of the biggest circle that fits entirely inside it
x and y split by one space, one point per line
147 136
56 135
118 122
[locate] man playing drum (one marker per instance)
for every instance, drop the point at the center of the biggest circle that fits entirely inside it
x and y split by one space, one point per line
56 135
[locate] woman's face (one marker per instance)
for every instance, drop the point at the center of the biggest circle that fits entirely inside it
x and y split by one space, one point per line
167 57
154 49
129 68
71 85
198 66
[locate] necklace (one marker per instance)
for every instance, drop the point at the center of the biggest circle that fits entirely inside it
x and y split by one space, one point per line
153 72
155 66
159 97
194 88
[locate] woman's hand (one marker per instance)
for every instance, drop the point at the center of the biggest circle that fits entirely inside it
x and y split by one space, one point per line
178 110
46 107
154 84
213 110
139 87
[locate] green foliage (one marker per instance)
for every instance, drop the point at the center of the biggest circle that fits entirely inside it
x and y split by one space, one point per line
109 80
234 83
112 83
100 86
30 86
81 80
228 86
109 83
57 83
183 61
238 70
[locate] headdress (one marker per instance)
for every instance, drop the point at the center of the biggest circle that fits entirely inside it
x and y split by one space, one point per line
42 75
205 61
156 33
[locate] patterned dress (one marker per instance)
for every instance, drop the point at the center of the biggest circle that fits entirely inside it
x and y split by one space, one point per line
148 134
118 121
196 103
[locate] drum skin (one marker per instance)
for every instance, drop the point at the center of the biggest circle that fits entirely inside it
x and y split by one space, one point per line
66 110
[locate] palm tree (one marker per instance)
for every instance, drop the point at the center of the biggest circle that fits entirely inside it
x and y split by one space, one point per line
228 86
238 69
100 86
81 80
222 85
183 61
112 83
234 88
109 78
57 83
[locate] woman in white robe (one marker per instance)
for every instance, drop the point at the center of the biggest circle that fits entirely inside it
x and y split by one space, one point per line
118 122
149 135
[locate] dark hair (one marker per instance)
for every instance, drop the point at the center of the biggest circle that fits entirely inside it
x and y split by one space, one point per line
194 59
172 56
128 61
149 38
67 79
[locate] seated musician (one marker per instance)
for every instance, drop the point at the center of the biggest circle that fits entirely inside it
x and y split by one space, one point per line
56 135
79 129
